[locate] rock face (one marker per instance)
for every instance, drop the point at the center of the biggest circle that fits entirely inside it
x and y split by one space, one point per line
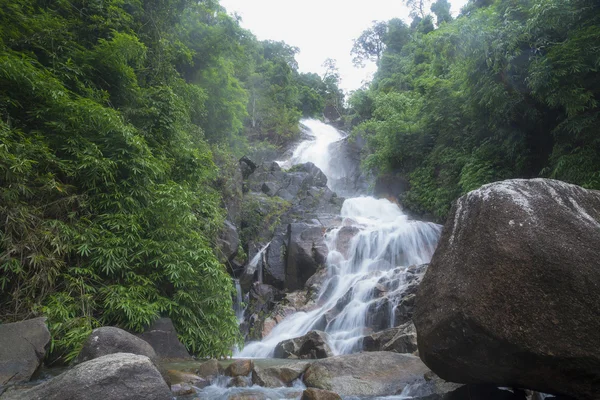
306 251
120 376
22 349
313 345
228 242
109 340
162 336
511 295
401 339
365 374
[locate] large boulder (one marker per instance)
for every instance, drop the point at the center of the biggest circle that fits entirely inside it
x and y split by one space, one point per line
313 345
109 340
121 376
511 295
306 251
22 348
365 374
162 336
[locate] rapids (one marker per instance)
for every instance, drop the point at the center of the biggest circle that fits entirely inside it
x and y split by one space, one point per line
384 243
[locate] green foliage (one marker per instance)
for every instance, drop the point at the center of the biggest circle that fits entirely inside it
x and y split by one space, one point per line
260 216
107 211
509 89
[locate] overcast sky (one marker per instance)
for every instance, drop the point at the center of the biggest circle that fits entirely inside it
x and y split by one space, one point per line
320 28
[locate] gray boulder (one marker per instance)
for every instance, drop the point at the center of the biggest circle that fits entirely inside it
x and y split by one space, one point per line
162 336
228 242
274 268
306 252
313 345
110 340
119 376
22 348
511 295
401 339
365 374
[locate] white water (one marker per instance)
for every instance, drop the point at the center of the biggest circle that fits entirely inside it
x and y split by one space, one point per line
238 304
258 261
316 150
386 244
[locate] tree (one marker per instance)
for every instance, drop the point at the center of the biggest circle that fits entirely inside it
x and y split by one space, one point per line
441 9
418 7
370 44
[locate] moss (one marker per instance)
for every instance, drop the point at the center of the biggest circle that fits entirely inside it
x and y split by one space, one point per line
260 216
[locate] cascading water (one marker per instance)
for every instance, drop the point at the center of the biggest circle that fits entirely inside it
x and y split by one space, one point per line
375 244
238 304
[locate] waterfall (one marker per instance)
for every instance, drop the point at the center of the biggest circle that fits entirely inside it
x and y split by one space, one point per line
371 249
258 261
238 304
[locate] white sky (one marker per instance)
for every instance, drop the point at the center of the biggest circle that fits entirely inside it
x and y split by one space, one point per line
320 28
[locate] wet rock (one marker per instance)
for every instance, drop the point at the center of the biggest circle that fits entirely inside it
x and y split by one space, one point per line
248 396
365 374
404 311
247 166
401 339
239 368
162 336
266 378
22 348
344 239
182 389
306 251
228 242
120 376
110 340
317 177
274 270
511 295
262 301
289 372
239 381
177 377
209 370
378 315
313 345
319 394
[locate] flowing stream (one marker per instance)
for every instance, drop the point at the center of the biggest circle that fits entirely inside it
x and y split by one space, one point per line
375 244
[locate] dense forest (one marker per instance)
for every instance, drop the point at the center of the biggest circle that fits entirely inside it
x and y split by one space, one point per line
112 114
120 119
508 89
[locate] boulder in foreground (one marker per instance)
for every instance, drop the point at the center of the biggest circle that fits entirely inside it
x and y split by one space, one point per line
511 296
377 373
110 340
120 376
22 348
162 336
